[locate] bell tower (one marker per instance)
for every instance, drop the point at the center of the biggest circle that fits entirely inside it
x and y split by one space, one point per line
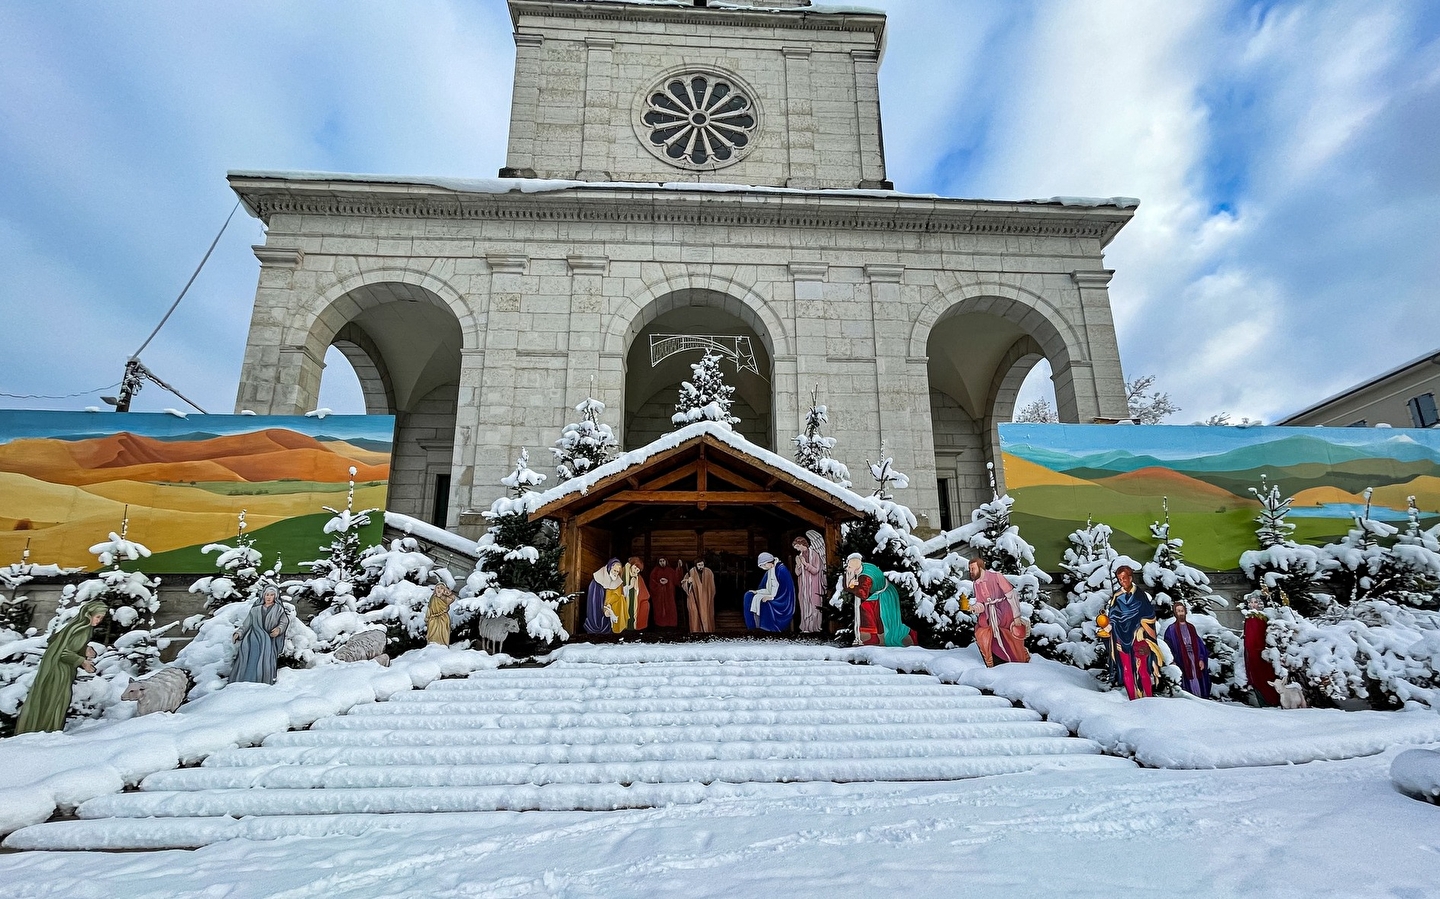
772 93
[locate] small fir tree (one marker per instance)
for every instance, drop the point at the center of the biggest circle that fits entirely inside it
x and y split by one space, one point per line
16 610
338 577
1361 566
586 444
1417 551
405 579
706 396
517 573
1282 570
240 566
991 535
813 449
1069 634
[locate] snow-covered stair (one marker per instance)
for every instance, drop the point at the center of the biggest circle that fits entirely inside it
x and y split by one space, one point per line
582 736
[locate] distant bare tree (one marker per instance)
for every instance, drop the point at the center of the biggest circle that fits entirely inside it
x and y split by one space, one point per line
1223 420
1038 412
1148 406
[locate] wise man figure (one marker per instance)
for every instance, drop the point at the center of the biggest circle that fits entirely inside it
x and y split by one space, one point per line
772 605
663 580
1258 669
437 615
604 601
810 570
699 587
1190 653
1000 627
876 603
1130 632
637 594
262 638
67 651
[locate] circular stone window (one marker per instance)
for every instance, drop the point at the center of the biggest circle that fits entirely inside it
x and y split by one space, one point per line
698 120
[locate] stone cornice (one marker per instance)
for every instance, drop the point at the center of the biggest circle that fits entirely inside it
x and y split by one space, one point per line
799 18
270 195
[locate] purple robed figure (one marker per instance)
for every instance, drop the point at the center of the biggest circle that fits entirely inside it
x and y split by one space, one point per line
771 607
1190 653
602 595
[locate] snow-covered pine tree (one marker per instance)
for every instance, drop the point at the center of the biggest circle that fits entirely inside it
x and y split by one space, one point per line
1170 580
1282 566
404 580
338 577
240 575
928 588
813 449
706 396
991 535
1417 550
585 444
16 609
518 572
1068 634
1361 566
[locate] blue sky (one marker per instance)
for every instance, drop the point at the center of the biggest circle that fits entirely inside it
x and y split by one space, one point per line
1284 154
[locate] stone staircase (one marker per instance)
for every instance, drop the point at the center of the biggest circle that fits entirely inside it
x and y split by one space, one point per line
580 736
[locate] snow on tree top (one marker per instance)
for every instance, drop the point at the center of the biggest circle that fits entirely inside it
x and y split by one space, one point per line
582 484
118 547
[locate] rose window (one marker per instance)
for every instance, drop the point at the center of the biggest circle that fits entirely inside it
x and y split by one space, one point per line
699 121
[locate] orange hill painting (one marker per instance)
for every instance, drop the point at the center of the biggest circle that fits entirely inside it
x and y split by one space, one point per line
1060 475
67 479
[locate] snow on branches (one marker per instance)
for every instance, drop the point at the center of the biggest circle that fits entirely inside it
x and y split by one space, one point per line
1281 564
585 444
338 577
240 577
405 579
813 449
523 479
706 396
1068 634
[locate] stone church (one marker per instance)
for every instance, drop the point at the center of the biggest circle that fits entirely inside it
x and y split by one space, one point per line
681 176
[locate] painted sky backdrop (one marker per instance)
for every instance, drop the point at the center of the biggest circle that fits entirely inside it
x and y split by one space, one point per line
1283 153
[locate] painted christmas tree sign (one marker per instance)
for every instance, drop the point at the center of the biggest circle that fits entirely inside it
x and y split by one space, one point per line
1062 475
66 479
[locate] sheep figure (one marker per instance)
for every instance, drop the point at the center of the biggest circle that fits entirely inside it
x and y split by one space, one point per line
362 647
1291 696
493 632
162 691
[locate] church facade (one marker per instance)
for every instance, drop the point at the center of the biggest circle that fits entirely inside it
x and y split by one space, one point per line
681 178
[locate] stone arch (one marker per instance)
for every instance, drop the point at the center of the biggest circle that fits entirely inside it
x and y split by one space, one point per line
1017 363
315 325
364 356
731 296
1031 311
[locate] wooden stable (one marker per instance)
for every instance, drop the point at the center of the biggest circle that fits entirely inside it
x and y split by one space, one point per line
711 496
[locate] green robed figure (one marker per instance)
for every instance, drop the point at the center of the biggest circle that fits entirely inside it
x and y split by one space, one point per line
49 698
877 605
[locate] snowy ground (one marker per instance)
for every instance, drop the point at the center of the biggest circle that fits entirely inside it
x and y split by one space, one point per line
1254 824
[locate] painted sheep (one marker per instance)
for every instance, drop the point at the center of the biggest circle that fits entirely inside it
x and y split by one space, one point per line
493 632
162 691
362 647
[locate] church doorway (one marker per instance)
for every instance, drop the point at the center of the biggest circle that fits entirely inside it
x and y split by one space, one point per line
659 359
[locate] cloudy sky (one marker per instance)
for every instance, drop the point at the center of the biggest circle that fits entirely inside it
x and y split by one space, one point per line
1285 154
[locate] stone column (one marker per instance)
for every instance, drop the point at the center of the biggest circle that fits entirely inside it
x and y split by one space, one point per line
867 120
276 379
595 137
902 388
799 119
1093 387
809 331
524 107
498 397
587 305
467 429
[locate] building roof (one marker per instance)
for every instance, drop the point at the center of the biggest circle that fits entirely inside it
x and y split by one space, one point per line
1431 357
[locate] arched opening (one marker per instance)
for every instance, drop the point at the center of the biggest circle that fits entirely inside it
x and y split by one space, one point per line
652 379
977 364
340 389
404 345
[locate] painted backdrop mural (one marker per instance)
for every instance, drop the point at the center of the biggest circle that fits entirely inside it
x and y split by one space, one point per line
1060 474
66 478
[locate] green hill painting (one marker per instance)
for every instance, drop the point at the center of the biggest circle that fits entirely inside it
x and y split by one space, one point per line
1060 475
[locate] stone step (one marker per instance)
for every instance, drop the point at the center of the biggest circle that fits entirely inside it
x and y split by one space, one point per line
560 753
957 728
627 681
507 694
705 704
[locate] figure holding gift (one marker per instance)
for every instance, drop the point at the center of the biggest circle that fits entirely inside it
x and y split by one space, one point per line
771 607
877 605
437 615
663 580
1000 626
604 601
1191 656
699 587
1129 628
637 595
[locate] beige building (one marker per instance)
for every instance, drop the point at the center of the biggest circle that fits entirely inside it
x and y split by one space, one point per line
680 176
1403 397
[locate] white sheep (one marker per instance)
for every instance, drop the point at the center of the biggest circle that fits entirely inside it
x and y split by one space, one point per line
1291 696
364 646
162 691
493 632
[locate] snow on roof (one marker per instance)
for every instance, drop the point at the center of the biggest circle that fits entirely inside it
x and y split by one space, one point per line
431 534
553 185
941 542
758 6
722 433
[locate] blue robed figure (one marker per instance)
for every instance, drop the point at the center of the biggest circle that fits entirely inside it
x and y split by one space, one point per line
771 607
